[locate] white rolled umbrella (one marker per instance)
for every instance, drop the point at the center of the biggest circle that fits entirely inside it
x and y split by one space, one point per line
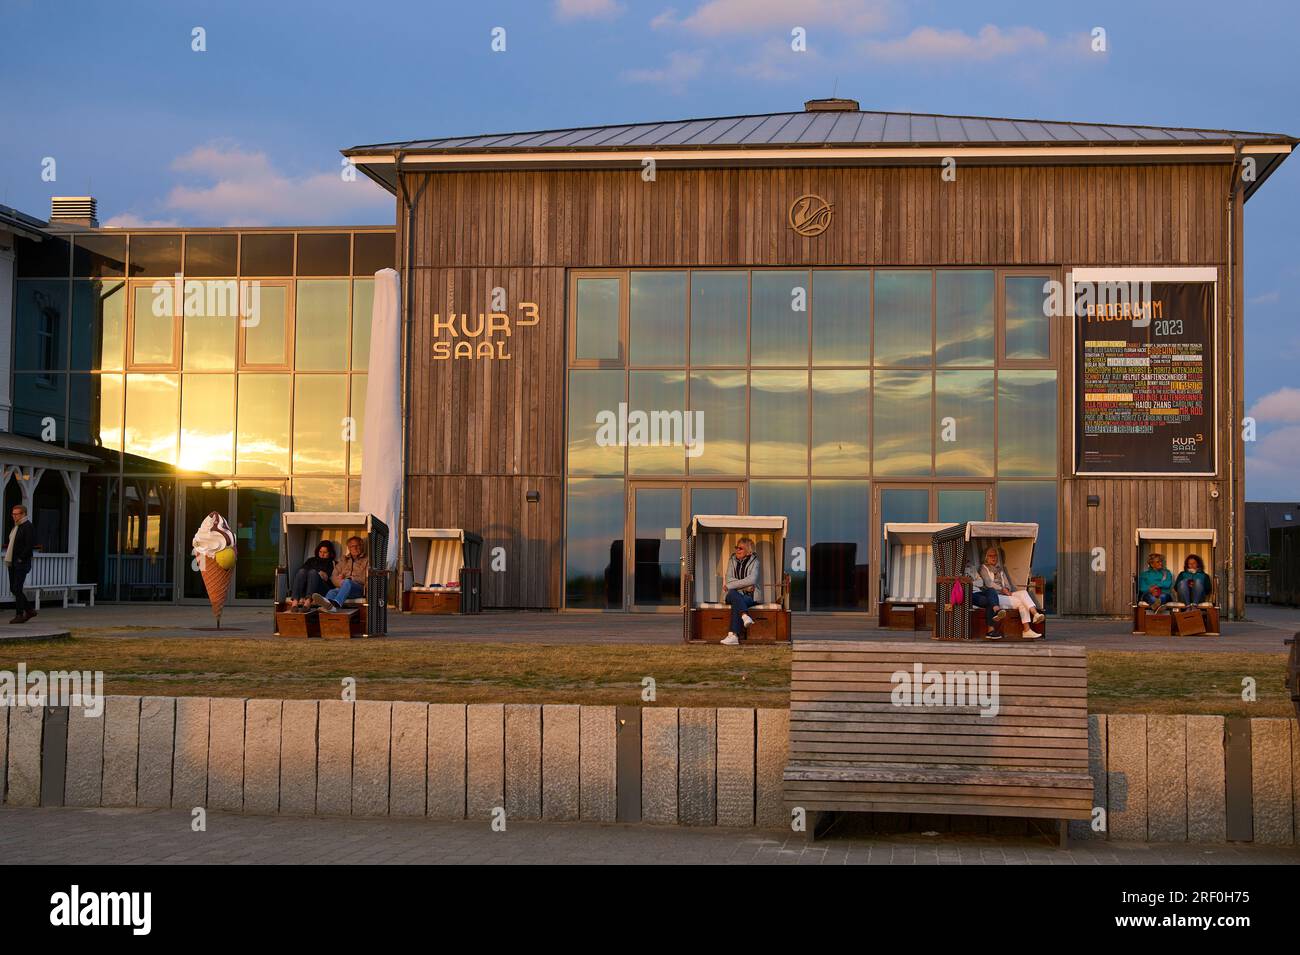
381 439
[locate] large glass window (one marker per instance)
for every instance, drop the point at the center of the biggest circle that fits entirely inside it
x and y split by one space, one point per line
98 324
788 499
266 253
901 439
319 494
152 412
321 325
39 406
211 313
1026 423
208 255
320 404
208 424
594 544
779 317
154 255
359 383
99 256
372 251
153 324
841 423
839 575
596 337
42 320
657 318
595 442
965 327
363 307
902 326
656 428
263 424
265 324
778 407
719 318
841 317
326 253
1028 327
963 423
1035 502
719 397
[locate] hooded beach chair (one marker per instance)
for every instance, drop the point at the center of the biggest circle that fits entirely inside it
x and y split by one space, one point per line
444 574
709 545
907 585
301 532
1176 543
963 545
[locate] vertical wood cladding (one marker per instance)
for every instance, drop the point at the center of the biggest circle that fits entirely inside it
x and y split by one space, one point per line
483 432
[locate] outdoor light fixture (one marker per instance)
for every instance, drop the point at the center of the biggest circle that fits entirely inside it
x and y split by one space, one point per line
1094 500
533 497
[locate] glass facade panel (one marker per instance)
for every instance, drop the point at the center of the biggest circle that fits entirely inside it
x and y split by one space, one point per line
778 443
594 544
327 253
779 316
1035 502
98 325
363 306
656 569
657 318
40 402
372 251
840 558
211 319
111 395
841 317
958 504
788 499
319 406
901 439
719 318
963 423
99 256
902 318
358 415
321 325
597 333
155 256
904 505
320 494
721 399
147 562
41 326
595 445
263 418
49 258
209 255
841 423
1028 328
152 415
208 424
154 316
1026 424
266 328
965 327
656 428
266 253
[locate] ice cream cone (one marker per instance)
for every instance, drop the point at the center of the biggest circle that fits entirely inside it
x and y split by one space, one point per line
216 581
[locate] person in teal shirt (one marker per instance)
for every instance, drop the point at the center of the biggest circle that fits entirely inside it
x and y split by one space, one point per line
1155 584
1193 584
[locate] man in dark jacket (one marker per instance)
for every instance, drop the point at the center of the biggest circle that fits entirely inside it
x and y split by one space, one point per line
18 561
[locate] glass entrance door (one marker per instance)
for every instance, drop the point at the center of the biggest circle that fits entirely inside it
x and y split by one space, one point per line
927 503
253 512
658 519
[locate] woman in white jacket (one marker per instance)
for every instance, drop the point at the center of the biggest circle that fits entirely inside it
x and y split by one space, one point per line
991 575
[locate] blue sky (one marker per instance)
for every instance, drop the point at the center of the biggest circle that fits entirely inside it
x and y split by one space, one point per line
248 132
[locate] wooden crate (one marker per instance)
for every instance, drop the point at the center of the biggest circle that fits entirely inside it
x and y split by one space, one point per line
906 616
710 625
432 601
341 625
302 625
1159 624
1188 623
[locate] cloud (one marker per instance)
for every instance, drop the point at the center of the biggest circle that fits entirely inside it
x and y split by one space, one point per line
721 17
1272 463
990 43
587 9
1267 298
1282 406
681 68
775 61
229 185
129 220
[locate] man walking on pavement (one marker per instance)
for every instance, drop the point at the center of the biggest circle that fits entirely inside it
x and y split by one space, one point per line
18 561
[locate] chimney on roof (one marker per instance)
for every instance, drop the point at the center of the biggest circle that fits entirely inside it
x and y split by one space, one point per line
74 210
832 105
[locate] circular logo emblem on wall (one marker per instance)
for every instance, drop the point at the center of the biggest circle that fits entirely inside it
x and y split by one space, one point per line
810 215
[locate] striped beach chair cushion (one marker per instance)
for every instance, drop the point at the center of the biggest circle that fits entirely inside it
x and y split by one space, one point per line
911 573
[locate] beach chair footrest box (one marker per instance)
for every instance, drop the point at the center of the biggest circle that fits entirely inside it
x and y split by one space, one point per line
906 616
341 624
433 601
1159 624
711 624
1188 623
302 625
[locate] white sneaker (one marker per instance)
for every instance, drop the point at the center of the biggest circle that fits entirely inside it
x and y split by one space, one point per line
1143 603
1038 618
731 640
747 620
1205 604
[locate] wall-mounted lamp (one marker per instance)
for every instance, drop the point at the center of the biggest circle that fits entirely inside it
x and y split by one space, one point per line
533 496
1094 500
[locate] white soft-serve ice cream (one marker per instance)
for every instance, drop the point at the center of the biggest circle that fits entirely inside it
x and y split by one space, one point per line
213 536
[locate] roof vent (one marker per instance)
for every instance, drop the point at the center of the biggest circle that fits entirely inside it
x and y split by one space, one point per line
74 210
831 105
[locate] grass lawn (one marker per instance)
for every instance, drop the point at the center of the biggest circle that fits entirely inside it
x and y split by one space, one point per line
1119 682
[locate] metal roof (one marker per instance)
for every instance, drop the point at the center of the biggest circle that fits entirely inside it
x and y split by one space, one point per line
20 223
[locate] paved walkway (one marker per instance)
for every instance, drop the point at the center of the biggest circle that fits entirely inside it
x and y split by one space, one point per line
100 836
1266 630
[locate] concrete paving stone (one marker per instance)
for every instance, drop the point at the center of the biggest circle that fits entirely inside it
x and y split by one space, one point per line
697 736
598 763
1270 757
447 760
1207 819
735 768
372 735
262 730
1167 778
772 749
409 750
334 757
226 754
120 766
26 726
298 762
157 735
484 760
560 761
523 759
659 764
83 776
1079 828
1126 776
190 756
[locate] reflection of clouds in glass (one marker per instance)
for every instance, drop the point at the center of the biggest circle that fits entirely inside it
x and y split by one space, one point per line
779 426
1027 325
595 520
841 442
903 429
1026 423
964 325
903 318
967 397
841 314
263 424
1033 501
320 404
779 333
151 413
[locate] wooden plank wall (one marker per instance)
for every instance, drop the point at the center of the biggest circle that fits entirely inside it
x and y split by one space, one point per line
504 421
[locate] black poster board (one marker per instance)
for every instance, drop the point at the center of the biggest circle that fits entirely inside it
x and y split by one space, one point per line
1144 378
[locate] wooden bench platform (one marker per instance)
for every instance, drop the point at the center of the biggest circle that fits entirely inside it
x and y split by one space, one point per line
859 743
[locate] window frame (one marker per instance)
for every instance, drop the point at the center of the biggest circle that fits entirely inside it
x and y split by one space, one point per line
575 275
178 314
290 327
1053 321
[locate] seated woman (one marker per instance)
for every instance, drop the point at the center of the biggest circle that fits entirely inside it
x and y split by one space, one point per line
312 578
349 577
992 577
1155 584
1193 584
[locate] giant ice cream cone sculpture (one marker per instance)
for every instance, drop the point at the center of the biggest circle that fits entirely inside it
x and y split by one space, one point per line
214 549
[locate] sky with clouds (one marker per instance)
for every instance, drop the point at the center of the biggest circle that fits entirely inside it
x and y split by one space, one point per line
248 131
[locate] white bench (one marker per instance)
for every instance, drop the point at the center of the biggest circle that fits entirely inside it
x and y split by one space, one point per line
65 590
